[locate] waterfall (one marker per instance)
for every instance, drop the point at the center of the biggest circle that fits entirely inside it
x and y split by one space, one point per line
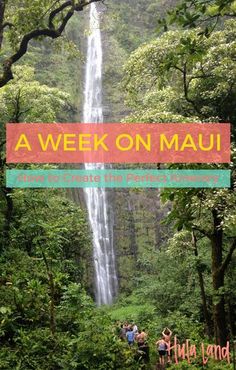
100 217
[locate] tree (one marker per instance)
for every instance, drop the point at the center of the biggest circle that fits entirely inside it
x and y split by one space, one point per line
202 286
182 77
205 14
24 100
21 23
210 213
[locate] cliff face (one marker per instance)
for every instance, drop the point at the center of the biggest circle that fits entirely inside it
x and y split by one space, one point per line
126 25
137 213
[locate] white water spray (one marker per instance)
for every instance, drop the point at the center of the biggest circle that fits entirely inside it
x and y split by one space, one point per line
96 199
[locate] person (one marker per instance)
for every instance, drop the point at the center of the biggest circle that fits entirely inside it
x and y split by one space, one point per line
122 335
167 333
143 351
135 329
141 338
162 346
126 326
130 337
117 327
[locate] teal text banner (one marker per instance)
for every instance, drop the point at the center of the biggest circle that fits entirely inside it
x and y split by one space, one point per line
110 178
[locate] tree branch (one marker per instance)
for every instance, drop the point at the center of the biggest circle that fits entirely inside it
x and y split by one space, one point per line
65 21
51 32
228 257
7 24
186 90
202 231
54 13
179 69
186 85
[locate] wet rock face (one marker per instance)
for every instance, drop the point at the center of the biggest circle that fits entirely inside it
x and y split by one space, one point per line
99 214
137 215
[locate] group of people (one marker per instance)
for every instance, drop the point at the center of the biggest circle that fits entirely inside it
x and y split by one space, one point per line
131 334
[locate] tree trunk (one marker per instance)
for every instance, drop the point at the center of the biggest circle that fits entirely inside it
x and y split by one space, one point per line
219 315
9 202
158 221
2 11
52 303
232 319
8 213
204 304
52 317
202 290
132 231
220 322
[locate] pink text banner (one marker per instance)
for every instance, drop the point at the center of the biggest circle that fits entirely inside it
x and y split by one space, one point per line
118 143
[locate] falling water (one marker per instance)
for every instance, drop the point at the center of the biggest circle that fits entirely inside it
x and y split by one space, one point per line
96 199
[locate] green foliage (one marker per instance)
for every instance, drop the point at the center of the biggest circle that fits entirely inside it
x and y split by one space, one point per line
49 220
59 64
84 338
96 347
126 26
27 23
206 14
26 100
132 311
130 34
211 365
49 236
182 76
26 16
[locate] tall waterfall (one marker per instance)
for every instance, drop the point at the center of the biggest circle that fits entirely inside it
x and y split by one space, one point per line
96 199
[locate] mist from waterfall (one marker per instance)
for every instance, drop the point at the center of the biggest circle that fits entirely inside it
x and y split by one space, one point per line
99 212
